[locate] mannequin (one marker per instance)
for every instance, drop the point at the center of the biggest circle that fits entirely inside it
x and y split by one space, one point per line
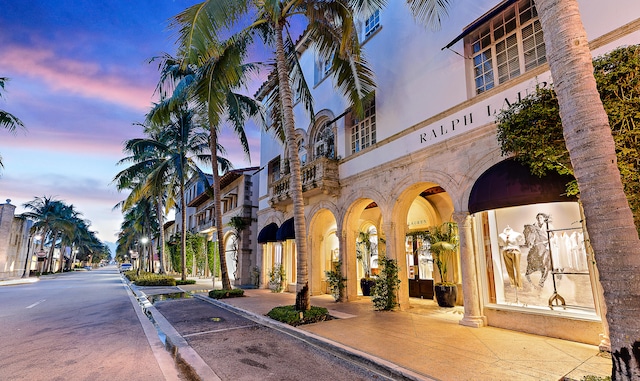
425 265
510 242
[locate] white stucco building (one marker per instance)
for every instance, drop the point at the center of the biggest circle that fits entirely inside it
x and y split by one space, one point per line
426 153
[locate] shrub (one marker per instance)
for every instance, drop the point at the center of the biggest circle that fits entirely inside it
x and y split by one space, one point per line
336 281
180 282
131 275
223 294
384 290
148 279
277 278
289 315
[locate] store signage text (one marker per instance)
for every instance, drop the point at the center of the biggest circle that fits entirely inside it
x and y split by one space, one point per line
457 124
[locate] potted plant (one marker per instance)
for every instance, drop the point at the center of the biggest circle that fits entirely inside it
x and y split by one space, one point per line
363 254
444 242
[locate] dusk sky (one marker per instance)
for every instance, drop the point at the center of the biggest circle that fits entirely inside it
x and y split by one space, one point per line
79 80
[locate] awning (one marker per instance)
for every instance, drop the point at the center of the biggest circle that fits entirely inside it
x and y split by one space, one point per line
286 231
476 24
509 183
268 233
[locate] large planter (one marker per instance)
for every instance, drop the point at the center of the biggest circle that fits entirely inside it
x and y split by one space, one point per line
365 285
446 294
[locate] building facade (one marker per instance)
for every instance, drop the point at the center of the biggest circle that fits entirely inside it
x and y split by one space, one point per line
239 205
426 153
15 243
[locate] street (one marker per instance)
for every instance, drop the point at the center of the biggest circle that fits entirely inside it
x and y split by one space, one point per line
84 326
73 326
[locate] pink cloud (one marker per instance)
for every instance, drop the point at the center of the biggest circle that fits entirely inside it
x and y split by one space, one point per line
77 77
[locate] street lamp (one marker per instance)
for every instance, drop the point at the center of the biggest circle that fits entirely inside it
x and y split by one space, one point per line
144 241
27 260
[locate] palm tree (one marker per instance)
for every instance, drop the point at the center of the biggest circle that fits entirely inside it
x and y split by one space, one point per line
132 179
7 120
331 26
176 148
209 84
51 220
591 148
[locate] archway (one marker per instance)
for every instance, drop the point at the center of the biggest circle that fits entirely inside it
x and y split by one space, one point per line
324 249
231 255
363 241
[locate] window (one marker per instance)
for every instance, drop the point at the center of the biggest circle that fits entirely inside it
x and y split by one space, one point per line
324 142
302 151
274 170
363 132
507 46
322 69
372 24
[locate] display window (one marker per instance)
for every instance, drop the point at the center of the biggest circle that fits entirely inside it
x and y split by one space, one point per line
535 258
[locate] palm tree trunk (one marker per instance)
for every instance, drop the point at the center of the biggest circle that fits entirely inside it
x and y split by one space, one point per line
609 220
183 239
302 282
160 213
226 282
51 251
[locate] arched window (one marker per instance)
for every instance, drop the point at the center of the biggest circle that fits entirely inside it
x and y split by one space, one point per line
324 142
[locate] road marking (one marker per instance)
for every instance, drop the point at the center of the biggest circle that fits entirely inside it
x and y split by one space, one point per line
218 330
36 303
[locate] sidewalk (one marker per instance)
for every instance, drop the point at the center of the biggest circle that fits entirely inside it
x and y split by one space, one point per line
427 341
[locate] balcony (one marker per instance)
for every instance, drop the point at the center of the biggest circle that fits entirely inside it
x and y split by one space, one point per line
319 176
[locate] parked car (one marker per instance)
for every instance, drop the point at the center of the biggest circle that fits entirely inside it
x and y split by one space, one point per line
125 267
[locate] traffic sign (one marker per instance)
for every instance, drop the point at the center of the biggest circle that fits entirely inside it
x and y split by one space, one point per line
41 254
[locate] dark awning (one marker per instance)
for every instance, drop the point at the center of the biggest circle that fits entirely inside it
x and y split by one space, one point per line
268 233
476 24
286 231
509 183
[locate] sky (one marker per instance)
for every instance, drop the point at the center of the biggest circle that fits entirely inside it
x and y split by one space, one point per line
80 79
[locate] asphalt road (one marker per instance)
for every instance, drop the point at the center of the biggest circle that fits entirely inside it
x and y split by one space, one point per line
87 326
74 326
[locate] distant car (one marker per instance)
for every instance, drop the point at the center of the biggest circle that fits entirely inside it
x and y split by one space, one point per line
125 267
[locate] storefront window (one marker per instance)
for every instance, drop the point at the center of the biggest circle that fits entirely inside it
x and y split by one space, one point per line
535 257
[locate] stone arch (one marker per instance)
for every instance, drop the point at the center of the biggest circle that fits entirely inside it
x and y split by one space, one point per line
323 247
437 205
353 219
231 251
474 172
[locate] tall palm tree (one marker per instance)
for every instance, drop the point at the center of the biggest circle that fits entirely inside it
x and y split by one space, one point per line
133 179
7 120
209 85
51 218
331 26
178 146
591 148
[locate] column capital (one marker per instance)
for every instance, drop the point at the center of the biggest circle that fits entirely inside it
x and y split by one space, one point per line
461 218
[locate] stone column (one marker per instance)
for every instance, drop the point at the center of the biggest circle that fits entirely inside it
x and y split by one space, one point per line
470 287
346 245
396 250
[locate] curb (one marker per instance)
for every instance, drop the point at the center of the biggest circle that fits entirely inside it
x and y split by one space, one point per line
12 282
188 362
372 363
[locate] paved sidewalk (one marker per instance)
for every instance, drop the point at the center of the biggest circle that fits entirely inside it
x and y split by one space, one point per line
426 342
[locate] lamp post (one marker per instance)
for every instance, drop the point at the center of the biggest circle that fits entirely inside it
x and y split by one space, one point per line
27 260
144 241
